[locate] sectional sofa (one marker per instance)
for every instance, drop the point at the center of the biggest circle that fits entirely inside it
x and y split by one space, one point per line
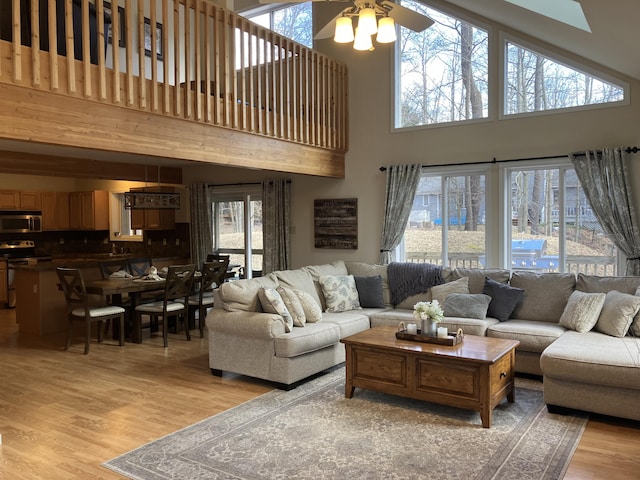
580 332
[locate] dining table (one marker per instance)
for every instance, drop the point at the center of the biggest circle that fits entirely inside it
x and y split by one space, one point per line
134 287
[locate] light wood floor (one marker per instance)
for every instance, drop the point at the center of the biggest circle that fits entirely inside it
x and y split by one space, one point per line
63 413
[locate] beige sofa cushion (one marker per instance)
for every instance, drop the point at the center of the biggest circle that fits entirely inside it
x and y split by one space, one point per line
594 284
476 276
312 337
617 313
298 279
360 269
242 295
545 295
533 336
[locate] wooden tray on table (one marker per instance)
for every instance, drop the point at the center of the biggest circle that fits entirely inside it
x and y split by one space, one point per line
451 340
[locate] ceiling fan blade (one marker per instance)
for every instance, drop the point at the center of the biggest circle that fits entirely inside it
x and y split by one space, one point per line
407 17
329 29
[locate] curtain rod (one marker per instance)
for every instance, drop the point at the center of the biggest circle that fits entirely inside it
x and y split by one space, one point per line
627 150
239 184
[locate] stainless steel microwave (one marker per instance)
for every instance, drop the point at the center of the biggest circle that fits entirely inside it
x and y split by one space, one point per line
20 222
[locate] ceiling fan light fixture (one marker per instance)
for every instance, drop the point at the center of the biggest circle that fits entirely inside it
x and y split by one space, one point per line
362 40
386 30
344 30
367 22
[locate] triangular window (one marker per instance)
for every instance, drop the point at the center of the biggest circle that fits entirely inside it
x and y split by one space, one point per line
535 82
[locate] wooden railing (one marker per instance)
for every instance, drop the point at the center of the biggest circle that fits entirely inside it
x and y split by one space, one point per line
210 66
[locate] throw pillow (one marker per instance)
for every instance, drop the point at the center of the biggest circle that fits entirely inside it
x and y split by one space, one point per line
467 305
634 330
582 311
370 291
442 291
272 303
312 309
340 292
504 298
294 306
617 313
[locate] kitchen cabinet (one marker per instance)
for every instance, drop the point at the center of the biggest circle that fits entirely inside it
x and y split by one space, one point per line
153 219
16 200
89 210
55 211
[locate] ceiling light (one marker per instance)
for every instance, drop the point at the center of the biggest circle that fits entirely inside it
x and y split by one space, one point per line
344 30
386 30
362 40
367 21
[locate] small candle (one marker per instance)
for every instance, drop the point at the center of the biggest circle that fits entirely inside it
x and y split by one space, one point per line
442 332
412 328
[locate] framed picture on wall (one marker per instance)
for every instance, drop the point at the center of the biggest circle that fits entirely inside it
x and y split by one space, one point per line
336 223
147 39
121 23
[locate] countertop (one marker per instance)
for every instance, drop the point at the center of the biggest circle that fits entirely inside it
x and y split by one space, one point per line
83 261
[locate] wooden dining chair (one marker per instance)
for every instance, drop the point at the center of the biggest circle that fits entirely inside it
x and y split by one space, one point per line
79 309
213 275
177 289
107 268
138 266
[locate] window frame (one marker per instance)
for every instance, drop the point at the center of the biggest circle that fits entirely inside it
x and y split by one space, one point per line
116 210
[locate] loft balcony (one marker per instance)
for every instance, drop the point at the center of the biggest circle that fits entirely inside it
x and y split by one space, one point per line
205 85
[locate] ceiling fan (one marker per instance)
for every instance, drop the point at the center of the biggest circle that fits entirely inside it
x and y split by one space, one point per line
374 17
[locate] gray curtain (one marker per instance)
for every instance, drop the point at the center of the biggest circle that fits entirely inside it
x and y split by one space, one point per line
402 182
201 226
276 198
603 176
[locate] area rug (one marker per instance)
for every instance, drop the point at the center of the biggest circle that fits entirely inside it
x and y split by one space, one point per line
314 432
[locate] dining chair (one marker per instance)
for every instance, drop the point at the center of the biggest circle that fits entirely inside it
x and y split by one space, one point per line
138 266
177 289
213 275
108 268
211 257
79 308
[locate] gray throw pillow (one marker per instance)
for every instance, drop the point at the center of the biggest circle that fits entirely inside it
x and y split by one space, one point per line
467 305
370 291
504 298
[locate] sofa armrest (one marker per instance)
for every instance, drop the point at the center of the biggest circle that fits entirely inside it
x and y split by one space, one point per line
246 324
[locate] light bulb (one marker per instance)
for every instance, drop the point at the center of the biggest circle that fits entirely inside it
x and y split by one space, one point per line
386 30
367 21
362 40
344 30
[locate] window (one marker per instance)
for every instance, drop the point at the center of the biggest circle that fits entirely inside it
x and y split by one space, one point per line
294 22
451 224
237 226
547 222
535 82
552 225
442 72
120 221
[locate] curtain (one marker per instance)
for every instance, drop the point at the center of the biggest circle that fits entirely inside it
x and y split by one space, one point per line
201 226
402 183
603 176
276 196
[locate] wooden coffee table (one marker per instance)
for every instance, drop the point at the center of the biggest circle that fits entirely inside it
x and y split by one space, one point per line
475 374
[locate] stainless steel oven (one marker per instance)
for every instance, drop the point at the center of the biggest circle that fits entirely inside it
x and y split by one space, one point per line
20 222
17 252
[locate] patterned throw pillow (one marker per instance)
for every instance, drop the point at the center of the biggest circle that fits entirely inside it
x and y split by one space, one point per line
582 311
340 292
312 309
294 306
272 303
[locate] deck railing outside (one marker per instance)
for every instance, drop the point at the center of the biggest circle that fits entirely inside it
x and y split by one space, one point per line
208 65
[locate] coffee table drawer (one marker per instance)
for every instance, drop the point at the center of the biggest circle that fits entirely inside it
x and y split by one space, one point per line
387 368
447 377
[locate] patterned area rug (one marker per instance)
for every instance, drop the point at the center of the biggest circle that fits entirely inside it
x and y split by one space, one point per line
314 432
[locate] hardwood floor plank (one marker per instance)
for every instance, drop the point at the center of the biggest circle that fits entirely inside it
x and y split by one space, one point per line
62 414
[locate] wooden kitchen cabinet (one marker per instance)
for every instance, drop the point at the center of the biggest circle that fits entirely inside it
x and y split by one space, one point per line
55 211
89 210
16 200
153 219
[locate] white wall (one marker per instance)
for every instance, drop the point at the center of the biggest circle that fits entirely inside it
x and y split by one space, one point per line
373 144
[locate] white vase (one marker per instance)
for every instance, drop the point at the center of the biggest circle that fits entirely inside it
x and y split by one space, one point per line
429 327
